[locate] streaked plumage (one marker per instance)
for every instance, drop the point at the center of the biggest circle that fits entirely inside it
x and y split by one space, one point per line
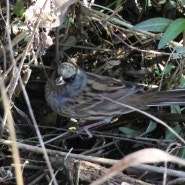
71 92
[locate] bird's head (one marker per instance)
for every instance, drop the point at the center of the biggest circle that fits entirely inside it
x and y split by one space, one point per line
70 79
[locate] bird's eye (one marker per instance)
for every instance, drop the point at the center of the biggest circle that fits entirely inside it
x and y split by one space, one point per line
70 79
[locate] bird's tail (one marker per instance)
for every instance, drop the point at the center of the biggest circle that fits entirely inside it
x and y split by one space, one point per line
167 98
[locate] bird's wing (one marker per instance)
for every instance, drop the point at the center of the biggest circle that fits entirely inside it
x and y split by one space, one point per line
90 103
110 87
97 87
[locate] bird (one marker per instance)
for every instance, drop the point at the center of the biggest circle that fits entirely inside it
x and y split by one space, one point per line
74 93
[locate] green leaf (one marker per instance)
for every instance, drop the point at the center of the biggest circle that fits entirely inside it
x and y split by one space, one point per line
169 135
179 52
129 132
158 71
168 69
174 29
182 81
18 9
151 127
179 49
183 153
71 41
175 109
158 24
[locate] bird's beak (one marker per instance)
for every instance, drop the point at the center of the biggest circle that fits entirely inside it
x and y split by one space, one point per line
60 81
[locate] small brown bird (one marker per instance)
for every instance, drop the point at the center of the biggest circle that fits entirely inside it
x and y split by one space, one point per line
73 93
